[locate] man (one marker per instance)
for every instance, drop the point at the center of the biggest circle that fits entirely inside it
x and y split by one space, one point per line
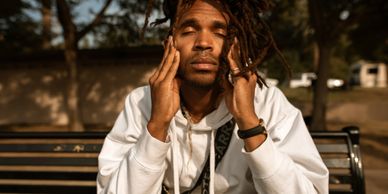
196 130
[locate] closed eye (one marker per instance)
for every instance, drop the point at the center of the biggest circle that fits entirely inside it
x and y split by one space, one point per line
187 31
220 33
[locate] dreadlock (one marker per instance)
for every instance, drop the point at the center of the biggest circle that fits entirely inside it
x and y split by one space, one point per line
246 24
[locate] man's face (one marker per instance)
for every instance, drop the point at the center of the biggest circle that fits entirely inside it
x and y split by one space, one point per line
199 37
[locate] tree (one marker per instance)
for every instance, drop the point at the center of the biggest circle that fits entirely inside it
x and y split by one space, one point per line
124 28
46 23
370 36
17 30
71 37
329 19
289 23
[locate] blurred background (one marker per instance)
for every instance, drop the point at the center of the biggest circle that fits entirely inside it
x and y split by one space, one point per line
67 65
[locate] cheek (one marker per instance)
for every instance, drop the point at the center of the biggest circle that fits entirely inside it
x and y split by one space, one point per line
219 44
184 52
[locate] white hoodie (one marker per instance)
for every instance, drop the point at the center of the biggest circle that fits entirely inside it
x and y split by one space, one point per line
133 162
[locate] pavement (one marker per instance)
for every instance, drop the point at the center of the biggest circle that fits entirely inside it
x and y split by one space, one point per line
376 181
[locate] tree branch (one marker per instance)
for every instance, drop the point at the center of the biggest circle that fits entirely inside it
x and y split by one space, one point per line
64 17
96 21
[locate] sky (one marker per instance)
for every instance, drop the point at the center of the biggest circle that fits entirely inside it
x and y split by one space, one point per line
84 14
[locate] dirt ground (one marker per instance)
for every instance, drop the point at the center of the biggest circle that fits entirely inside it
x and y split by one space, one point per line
366 108
374 153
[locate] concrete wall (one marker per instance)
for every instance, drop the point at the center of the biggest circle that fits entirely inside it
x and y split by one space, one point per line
33 92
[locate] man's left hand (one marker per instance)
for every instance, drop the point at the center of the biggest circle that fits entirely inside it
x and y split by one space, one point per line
239 95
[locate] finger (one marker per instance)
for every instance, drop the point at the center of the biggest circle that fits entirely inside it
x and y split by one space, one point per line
153 77
167 63
232 62
234 59
167 49
166 46
174 68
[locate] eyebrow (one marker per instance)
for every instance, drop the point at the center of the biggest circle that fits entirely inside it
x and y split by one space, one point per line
219 25
195 24
189 23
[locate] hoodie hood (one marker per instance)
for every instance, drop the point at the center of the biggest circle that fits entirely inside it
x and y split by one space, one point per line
212 121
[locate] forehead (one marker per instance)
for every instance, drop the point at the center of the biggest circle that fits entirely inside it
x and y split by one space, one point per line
205 10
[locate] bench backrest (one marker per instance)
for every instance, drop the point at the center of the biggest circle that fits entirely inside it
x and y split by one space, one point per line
62 162
340 152
49 162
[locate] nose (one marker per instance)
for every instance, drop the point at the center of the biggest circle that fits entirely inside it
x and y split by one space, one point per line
203 42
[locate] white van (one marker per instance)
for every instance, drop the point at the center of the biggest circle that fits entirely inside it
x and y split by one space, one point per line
368 75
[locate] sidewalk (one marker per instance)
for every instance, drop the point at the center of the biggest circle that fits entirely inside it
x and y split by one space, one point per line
376 181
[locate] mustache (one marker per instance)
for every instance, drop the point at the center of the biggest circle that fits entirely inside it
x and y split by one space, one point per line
204 58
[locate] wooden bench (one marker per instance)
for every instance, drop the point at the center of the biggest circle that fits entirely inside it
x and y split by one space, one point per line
49 162
340 151
67 162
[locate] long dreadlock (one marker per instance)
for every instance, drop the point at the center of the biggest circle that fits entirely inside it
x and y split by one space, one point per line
246 24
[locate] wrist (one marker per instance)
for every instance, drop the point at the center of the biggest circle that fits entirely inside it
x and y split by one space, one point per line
258 129
253 137
247 122
158 130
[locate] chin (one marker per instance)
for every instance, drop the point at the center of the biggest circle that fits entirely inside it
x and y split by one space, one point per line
203 82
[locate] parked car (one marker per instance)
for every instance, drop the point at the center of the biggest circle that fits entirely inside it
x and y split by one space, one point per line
303 80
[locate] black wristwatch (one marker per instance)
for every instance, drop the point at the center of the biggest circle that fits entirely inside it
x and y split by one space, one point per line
259 129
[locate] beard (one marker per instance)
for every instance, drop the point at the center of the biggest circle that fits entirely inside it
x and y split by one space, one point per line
198 79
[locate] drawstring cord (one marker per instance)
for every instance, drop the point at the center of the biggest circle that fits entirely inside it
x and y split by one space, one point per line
212 163
175 159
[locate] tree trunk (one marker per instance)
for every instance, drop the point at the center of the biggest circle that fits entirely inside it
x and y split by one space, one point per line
71 37
315 56
321 36
73 104
318 122
46 23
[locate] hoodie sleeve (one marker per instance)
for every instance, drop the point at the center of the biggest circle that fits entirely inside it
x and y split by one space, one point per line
288 161
131 160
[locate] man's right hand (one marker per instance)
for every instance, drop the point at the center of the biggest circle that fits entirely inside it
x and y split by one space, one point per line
164 92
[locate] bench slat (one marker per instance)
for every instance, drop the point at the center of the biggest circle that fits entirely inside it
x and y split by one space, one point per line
50 148
48 175
337 163
47 189
53 168
332 148
42 161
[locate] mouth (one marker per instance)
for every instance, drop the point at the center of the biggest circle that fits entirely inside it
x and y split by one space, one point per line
204 64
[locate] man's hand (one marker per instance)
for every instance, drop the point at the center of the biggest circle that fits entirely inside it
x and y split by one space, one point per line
164 92
239 98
